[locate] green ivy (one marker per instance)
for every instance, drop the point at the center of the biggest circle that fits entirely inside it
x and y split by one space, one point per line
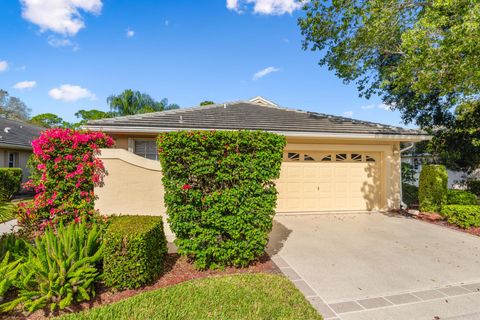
461 197
135 247
432 189
10 182
220 194
464 216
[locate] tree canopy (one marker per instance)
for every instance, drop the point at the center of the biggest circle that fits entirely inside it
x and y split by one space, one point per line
131 102
422 57
49 120
12 107
93 114
206 103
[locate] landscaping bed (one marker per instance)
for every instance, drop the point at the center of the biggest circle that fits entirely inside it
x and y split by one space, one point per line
176 270
439 220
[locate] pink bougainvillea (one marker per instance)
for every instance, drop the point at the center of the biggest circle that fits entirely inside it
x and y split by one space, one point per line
65 172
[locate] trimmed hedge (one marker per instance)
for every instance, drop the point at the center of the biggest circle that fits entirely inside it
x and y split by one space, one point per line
474 187
134 249
461 197
432 190
410 194
10 182
464 216
220 193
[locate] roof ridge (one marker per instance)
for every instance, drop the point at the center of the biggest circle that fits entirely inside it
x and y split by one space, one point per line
170 111
21 122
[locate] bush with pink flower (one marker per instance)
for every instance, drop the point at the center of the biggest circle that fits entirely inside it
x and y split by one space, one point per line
65 172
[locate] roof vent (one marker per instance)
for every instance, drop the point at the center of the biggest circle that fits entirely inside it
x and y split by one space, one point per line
7 129
181 120
224 106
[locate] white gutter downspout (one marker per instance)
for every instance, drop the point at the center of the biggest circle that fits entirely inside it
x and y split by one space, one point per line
403 204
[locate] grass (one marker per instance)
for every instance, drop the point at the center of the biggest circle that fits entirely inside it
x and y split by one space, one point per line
7 211
248 296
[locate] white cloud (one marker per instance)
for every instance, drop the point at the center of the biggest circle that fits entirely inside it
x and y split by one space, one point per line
262 73
348 113
3 65
130 33
25 85
60 16
268 7
70 93
382 106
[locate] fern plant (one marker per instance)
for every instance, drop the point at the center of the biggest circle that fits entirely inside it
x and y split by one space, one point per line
8 274
62 267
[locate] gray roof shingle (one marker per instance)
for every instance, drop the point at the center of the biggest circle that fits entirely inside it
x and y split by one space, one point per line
17 133
250 116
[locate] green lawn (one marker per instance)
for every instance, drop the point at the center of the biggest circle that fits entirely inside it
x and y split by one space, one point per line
7 211
248 296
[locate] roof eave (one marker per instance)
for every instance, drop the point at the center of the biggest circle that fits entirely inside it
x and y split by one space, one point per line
332 135
15 146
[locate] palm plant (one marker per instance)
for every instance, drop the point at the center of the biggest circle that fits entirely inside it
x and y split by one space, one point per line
131 102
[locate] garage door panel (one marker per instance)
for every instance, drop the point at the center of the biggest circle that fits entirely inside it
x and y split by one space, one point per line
330 185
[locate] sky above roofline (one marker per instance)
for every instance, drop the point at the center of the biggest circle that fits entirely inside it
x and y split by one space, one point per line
61 56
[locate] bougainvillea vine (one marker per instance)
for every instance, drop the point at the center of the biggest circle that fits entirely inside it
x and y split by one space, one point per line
65 171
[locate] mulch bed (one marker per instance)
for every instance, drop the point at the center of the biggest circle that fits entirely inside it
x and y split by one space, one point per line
176 270
437 219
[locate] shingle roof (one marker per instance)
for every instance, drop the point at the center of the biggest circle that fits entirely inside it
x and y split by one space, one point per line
248 115
17 133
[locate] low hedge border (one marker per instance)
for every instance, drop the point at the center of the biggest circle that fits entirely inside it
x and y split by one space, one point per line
464 216
461 197
134 251
10 182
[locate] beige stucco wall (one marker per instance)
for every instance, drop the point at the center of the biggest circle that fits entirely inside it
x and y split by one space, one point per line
132 186
23 156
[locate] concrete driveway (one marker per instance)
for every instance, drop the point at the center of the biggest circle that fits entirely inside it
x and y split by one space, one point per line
378 266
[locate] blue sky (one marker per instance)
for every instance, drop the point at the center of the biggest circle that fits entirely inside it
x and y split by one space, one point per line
65 55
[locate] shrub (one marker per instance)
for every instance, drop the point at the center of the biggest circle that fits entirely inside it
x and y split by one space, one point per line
65 173
410 194
408 173
474 187
134 250
220 194
16 246
432 190
461 197
61 268
464 216
10 182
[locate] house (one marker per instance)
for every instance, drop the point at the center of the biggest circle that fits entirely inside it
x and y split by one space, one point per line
330 163
16 144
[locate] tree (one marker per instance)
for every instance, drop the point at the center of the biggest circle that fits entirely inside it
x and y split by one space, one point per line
206 103
49 120
12 107
86 115
131 102
420 56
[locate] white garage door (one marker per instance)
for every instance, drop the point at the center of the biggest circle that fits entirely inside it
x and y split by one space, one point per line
329 181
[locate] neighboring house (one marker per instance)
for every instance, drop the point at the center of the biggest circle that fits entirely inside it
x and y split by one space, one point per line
330 163
16 144
455 178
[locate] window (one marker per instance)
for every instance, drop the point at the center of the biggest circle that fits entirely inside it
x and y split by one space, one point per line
356 157
306 157
341 157
146 149
292 156
327 158
12 159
